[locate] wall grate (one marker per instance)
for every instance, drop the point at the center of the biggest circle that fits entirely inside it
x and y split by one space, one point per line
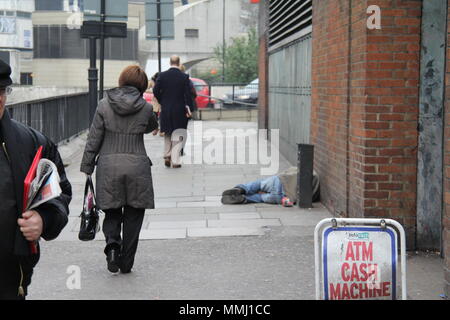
288 17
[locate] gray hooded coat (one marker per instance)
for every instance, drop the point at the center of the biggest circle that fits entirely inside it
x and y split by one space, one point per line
123 175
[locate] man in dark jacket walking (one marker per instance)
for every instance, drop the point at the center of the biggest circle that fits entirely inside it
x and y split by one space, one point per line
173 91
19 144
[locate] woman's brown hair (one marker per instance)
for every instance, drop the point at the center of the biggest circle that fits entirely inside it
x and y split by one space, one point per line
134 76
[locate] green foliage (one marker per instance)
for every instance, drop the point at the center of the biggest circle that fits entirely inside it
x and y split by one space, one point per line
241 58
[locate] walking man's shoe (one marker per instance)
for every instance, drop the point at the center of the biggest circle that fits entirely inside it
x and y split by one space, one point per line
167 162
112 259
233 191
233 199
176 166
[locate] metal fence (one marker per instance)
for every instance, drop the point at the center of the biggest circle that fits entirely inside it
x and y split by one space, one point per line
290 94
59 118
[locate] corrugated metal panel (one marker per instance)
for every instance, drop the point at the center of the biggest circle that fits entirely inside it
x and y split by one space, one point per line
290 95
288 17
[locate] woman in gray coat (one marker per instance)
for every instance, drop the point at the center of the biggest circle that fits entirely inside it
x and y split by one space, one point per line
123 177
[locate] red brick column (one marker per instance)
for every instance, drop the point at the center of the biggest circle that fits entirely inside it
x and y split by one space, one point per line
365 101
392 106
329 100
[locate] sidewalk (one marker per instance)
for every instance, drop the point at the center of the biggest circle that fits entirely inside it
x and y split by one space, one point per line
199 248
187 200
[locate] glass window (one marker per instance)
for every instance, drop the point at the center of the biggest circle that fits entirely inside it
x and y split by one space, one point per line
191 33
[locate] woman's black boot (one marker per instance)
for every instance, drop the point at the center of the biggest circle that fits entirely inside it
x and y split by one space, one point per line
112 259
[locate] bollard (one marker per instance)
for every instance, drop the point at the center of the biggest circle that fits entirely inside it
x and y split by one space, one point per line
305 175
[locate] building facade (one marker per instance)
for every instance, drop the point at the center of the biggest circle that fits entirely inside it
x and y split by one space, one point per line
370 100
200 26
16 38
61 56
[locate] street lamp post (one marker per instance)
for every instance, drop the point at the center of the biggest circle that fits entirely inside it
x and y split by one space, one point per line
223 45
93 78
102 45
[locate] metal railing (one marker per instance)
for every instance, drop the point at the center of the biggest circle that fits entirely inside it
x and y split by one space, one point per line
59 118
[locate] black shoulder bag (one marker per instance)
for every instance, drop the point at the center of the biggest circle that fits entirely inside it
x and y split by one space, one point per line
90 213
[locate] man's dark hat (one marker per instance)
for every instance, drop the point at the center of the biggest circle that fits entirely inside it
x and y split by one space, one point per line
5 72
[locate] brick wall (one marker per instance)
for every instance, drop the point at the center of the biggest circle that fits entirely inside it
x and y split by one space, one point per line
365 107
446 212
329 105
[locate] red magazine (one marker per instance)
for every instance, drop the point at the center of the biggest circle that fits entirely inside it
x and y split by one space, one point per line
26 187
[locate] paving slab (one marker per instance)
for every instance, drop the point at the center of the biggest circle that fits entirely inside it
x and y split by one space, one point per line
299 221
243 223
160 204
231 209
180 199
158 234
182 217
169 211
224 232
240 215
196 204
175 224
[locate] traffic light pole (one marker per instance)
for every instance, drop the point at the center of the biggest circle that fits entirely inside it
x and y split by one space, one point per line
93 78
102 45
158 12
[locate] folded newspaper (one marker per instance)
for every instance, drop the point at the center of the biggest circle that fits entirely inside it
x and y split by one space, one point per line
45 186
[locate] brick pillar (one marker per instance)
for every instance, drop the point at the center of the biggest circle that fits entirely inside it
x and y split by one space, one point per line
365 107
329 100
392 90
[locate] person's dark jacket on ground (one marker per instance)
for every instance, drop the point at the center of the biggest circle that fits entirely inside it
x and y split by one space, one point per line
18 146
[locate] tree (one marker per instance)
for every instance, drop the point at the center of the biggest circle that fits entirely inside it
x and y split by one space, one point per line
241 58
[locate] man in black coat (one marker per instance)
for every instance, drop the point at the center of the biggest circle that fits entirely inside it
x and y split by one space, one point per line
173 91
18 146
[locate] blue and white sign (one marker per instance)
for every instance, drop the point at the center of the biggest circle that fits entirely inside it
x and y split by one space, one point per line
359 263
356 259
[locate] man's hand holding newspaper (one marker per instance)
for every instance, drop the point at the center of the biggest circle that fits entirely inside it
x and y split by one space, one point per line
44 187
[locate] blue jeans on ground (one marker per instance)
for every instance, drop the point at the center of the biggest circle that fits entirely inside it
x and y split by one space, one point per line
272 188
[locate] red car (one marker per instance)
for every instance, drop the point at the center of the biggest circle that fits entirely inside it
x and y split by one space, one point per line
202 89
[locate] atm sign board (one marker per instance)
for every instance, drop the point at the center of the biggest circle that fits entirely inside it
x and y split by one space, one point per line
359 263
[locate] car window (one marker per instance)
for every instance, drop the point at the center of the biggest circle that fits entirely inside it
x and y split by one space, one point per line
198 85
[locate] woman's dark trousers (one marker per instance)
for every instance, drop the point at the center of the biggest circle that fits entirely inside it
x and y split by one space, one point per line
131 219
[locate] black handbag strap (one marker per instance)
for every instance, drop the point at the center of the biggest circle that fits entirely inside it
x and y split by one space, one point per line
89 185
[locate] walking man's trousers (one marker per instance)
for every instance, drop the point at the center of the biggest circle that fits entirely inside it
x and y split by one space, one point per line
173 143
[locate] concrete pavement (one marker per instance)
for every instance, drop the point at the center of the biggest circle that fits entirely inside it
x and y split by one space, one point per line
193 247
